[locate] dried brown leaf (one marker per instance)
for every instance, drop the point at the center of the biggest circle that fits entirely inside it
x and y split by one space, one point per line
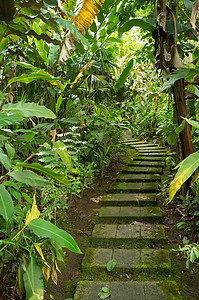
194 14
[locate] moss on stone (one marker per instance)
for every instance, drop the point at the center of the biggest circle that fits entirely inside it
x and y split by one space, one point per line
170 290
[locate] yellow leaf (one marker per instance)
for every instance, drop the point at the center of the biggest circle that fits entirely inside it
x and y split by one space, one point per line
87 14
54 274
46 272
33 214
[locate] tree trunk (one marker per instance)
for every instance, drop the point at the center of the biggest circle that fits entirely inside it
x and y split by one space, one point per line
181 111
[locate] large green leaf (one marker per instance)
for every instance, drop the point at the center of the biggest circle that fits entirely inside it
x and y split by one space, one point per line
5 160
192 123
186 168
29 110
53 54
61 149
66 24
8 118
124 75
41 74
146 24
29 177
171 29
47 172
6 204
46 229
188 4
177 74
33 281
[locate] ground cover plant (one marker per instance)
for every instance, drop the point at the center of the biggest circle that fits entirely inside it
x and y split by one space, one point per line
72 77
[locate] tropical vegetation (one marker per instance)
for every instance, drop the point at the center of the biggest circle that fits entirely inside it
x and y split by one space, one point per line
73 75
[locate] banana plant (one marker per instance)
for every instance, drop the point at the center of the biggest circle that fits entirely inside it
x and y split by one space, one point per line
186 168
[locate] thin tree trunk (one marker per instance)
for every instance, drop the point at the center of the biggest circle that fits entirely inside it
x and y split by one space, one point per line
181 111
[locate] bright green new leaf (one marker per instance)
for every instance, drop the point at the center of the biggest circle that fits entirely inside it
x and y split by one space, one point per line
47 172
5 160
111 264
181 127
29 177
192 123
6 204
3 43
29 136
41 74
104 293
29 110
186 168
46 229
59 102
124 75
33 281
40 45
27 65
61 149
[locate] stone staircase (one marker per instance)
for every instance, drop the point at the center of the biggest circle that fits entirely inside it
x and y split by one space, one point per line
129 223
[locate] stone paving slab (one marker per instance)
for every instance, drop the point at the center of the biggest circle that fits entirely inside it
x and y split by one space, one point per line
153 151
141 144
130 141
144 187
138 177
149 290
105 235
157 154
128 260
146 163
142 199
130 214
150 148
151 158
141 170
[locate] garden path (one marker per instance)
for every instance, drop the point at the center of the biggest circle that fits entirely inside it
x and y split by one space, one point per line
130 234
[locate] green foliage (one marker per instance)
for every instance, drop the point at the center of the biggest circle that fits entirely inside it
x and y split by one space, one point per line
186 169
104 293
190 251
111 264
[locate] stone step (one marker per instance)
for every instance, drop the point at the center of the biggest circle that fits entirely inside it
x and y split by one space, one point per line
152 154
152 151
141 144
129 141
138 177
150 148
145 163
105 235
130 214
134 187
132 261
150 158
128 290
142 170
129 200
